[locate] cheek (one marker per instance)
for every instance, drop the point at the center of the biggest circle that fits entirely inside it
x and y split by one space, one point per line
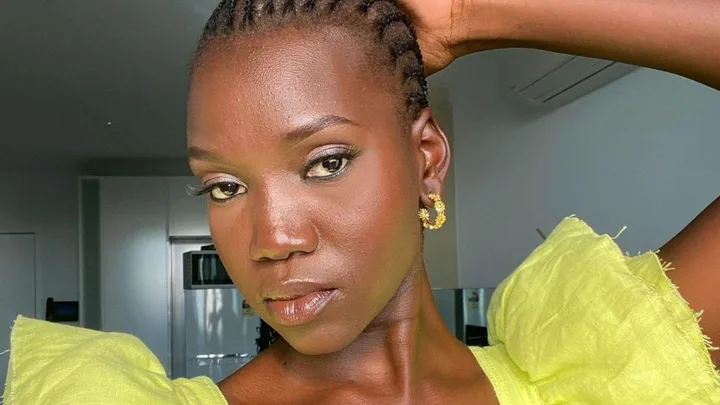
374 229
232 243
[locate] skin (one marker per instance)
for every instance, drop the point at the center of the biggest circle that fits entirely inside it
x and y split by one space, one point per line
381 341
358 232
679 37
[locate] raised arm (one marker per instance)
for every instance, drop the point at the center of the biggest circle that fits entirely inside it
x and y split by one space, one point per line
695 256
678 36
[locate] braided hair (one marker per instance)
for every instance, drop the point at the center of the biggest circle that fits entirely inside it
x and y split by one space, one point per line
381 22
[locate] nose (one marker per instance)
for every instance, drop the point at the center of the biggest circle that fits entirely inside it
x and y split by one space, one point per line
281 227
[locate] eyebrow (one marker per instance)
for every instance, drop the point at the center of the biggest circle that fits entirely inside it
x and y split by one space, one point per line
196 153
316 125
296 135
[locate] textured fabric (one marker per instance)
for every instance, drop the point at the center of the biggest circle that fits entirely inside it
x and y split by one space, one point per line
580 323
63 365
577 323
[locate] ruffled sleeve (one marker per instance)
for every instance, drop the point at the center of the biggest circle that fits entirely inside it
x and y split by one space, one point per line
63 365
579 322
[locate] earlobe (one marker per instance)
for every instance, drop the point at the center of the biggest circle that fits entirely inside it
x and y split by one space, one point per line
433 155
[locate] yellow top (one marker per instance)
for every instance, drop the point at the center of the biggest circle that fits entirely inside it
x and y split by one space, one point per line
63 365
577 323
580 323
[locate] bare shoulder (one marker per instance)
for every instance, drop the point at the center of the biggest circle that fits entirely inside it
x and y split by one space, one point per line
266 380
257 383
695 256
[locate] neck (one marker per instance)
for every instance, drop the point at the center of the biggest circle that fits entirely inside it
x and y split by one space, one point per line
387 353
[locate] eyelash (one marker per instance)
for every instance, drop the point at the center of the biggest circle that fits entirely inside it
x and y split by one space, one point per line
341 152
198 191
344 152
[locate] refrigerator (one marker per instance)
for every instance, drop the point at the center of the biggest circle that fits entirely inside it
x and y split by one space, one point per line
213 328
465 312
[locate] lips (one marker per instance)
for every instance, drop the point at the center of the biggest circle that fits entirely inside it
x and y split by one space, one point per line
298 303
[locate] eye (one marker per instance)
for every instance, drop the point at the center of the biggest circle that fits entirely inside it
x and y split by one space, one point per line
328 167
225 190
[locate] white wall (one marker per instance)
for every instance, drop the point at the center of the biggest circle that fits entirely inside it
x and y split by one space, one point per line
641 152
134 270
138 216
45 204
440 247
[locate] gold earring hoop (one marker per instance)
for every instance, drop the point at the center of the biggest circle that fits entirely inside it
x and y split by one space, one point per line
439 208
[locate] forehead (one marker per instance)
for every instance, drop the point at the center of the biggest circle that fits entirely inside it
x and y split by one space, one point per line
275 82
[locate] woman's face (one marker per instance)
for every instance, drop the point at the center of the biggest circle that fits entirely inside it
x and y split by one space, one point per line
314 180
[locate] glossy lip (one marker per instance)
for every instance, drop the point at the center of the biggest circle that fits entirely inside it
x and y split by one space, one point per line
297 303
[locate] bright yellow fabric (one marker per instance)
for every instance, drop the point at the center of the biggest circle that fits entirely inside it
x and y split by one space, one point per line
62 365
577 323
580 323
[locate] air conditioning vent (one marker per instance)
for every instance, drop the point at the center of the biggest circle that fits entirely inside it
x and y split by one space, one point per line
556 79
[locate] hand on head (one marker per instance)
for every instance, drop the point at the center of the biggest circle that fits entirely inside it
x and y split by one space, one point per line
434 26
445 29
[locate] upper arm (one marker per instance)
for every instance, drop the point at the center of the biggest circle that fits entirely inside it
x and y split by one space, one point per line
695 257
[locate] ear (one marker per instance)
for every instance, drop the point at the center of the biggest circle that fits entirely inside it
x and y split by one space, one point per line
433 155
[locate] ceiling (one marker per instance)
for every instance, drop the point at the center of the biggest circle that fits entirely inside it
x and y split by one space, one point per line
98 86
88 79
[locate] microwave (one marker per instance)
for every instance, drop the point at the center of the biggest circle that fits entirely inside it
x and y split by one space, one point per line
203 269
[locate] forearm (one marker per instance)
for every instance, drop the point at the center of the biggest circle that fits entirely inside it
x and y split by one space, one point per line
678 36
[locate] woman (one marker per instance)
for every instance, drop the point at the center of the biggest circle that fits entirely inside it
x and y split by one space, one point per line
308 127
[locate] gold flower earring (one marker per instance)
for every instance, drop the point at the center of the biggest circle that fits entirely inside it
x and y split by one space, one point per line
439 208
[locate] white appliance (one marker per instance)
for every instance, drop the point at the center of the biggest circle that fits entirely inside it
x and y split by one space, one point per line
213 328
465 312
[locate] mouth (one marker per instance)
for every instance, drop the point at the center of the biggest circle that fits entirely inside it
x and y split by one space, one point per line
298 305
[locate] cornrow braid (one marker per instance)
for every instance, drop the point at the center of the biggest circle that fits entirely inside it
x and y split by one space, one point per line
289 7
334 4
309 6
365 5
382 21
248 13
269 8
214 24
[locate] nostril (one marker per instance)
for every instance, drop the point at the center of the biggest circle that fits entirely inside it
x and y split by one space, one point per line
297 253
